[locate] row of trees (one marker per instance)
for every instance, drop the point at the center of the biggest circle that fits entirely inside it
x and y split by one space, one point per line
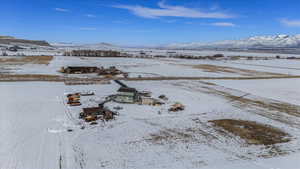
93 53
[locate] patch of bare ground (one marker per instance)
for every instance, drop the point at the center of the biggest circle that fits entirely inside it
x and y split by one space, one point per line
243 72
252 132
30 77
26 60
11 77
52 78
203 134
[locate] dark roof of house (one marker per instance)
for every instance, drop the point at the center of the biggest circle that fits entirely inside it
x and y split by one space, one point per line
81 67
90 110
127 89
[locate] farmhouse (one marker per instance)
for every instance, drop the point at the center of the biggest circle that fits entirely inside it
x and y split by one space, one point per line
92 111
79 69
127 95
131 95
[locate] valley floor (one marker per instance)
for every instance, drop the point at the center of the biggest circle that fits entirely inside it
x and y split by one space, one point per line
35 120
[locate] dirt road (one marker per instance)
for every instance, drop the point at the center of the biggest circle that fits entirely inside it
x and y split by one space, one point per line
55 78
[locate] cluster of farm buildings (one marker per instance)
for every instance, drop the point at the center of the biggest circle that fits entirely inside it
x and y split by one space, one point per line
124 95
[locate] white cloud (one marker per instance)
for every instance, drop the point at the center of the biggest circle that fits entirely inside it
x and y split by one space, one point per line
61 9
88 29
290 23
224 24
173 11
90 15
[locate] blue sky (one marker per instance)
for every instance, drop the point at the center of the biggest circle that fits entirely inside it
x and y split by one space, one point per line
149 22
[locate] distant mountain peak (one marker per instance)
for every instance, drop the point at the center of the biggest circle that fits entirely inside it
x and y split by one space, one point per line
276 41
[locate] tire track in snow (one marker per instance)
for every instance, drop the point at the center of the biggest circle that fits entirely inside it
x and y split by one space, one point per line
79 156
264 107
258 65
61 157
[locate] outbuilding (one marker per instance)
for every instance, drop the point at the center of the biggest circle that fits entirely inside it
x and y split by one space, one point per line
127 95
92 111
150 101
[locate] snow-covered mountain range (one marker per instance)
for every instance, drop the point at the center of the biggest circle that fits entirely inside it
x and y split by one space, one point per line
277 41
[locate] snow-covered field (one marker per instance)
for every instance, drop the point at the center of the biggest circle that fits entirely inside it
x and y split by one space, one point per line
162 67
285 90
35 119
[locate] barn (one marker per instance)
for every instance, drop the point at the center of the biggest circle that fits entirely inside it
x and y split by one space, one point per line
79 69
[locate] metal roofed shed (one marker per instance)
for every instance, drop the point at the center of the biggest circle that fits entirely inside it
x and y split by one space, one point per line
126 94
87 93
150 101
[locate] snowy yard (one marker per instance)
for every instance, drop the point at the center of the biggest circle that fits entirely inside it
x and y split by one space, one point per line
35 120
